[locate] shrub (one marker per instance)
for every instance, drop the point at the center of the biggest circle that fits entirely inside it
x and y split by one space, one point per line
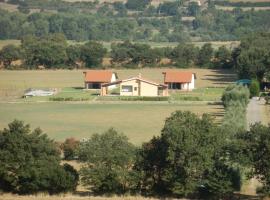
254 88
132 98
235 93
234 120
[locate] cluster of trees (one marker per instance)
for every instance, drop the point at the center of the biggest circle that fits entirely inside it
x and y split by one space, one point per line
53 51
30 162
183 56
252 58
186 55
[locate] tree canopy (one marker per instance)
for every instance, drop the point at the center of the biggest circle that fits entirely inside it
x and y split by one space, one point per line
30 162
108 159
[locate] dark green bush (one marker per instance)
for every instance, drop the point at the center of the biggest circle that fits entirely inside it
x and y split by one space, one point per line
30 162
68 99
254 88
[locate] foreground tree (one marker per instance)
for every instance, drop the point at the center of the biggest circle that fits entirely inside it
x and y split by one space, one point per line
256 148
183 160
30 162
108 159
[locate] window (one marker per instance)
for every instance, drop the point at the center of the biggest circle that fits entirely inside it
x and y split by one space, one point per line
175 86
96 85
126 88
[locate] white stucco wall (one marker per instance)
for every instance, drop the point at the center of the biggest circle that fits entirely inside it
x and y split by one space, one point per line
113 79
189 86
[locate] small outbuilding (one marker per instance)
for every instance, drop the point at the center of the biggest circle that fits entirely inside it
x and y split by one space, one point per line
93 79
178 80
137 86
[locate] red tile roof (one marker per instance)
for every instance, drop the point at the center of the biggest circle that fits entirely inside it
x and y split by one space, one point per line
100 76
177 77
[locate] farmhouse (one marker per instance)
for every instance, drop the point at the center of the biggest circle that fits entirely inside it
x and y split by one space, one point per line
137 86
178 80
93 79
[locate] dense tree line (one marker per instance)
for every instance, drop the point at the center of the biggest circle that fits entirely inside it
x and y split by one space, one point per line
53 51
107 22
252 58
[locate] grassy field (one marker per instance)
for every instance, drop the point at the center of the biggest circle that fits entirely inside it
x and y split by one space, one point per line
139 121
14 83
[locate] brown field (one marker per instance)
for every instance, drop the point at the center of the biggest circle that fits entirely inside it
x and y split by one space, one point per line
7 42
9 7
230 8
107 45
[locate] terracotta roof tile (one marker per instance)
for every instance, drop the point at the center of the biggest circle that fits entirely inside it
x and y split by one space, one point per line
177 77
101 76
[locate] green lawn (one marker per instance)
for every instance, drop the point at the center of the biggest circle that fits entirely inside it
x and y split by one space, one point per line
209 83
139 121
200 94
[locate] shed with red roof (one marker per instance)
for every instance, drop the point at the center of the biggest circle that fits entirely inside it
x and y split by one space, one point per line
94 79
179 80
